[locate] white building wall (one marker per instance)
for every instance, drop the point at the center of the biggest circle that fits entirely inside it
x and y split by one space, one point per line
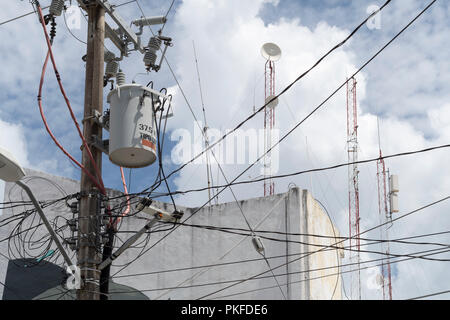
294 212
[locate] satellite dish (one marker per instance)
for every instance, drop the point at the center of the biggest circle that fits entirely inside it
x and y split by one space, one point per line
270 51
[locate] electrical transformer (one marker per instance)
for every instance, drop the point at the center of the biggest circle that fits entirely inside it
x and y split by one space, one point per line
132 141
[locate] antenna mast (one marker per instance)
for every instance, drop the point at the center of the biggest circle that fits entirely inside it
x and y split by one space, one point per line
209 174
353 189
385 216
271 52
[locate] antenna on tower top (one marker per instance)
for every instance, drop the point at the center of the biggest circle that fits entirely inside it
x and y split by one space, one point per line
271 53
379 137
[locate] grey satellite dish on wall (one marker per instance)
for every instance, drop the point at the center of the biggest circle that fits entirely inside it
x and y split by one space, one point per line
116 292
26 278
270 51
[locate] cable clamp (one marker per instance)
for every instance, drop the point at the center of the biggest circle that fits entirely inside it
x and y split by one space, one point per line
102 145
88 262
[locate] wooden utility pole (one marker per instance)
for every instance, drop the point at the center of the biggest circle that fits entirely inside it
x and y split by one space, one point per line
89 253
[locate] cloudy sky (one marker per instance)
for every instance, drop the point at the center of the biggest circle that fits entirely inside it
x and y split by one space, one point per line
406 87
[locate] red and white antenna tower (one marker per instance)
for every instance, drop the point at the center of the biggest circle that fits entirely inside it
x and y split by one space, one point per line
353 189
385 216
271 52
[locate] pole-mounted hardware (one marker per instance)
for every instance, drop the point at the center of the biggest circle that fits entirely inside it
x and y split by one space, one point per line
158 215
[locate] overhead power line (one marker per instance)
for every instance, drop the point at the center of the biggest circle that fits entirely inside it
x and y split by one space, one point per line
281 93
426 150
167 13
239 231
315 235
316 251
326 276
337 243
328 98
280 176
237 262
204 133
410 257
430 295
43 8
295 127
70 31
22 16
245 232
125 3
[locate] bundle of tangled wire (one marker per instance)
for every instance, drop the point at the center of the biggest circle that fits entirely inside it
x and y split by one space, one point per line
29 238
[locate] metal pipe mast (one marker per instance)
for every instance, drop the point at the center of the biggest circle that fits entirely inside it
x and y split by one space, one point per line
385 216
209 174
269 122
353 189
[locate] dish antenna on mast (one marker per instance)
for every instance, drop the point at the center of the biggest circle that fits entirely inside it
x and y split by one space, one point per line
270 51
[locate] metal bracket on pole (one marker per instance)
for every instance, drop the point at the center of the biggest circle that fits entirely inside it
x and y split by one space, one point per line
128 243
129 34
157 214
101 120
119 43
131 37
102 145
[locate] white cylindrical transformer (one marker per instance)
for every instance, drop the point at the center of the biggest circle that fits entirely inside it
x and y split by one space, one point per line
132 140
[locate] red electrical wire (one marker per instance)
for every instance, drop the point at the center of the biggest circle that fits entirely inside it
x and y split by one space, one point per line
127 210
99 181
49 130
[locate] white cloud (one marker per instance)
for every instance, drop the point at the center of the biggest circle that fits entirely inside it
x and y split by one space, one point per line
12 138
231 66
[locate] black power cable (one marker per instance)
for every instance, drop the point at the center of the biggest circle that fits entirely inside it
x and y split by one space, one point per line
281 176
283 91
316 251
430 295
229 263
411 256
346 271
311 113
337 243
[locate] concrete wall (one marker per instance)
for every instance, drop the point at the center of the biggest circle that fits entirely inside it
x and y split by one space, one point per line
188 248
324 284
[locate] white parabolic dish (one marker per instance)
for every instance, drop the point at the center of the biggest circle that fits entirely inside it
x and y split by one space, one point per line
270 51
